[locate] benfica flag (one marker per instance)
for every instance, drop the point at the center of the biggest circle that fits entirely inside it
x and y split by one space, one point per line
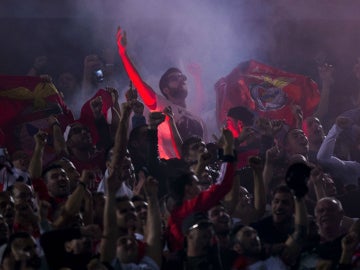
25 104
266 90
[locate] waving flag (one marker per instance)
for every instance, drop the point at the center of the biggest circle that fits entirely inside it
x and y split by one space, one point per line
25 104
268 91
87 116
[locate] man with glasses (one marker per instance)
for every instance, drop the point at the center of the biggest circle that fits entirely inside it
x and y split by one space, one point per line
174 89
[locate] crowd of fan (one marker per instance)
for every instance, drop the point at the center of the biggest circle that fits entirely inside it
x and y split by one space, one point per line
270 197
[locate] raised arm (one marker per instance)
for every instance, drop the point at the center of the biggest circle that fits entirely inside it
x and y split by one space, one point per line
153 226
113 183
145 91
36 161
174 130
296 240
208 198
58 137
73 203
326 155
327 80
259 188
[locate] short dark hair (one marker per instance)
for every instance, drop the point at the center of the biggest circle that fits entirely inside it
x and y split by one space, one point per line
243 114
281 189
49 168
164 79
186 144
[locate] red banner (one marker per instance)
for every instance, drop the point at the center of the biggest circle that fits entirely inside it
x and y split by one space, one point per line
266 90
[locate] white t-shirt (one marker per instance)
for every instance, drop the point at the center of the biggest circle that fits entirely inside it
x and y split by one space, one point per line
187 124
124 190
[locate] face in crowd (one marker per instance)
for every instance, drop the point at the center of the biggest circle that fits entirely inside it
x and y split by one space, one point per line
247 242
57 182
176 87
296 143
282 206
329 214
220 219
79 137
313 129
126 217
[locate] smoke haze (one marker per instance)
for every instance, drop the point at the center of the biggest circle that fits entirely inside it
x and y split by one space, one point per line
216 35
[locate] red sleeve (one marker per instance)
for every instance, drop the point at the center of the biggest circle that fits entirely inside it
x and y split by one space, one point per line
145 91
203 202
41 189
210 197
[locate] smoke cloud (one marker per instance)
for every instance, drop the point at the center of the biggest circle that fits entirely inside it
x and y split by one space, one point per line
216 35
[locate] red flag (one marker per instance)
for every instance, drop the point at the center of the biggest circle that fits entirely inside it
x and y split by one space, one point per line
25 104
87 116
266 90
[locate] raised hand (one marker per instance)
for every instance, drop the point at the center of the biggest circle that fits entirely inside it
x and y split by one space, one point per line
96 106
114 94
272 153
137 107
298 113
121 40
227 138
256 164
88 178
151 187
155 119
40 138
168 112
131 94
126 109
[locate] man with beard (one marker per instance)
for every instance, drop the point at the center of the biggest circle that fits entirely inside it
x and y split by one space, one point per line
174 88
